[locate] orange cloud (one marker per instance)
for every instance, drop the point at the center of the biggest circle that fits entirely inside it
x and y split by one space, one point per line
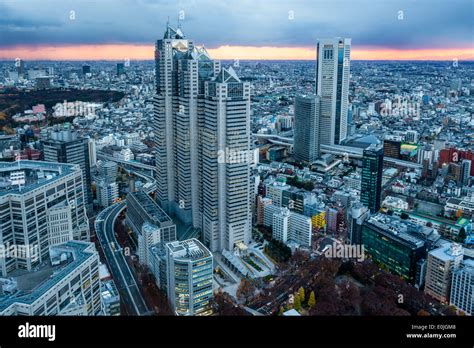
145 52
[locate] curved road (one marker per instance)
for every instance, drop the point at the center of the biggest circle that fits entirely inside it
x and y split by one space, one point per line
118 266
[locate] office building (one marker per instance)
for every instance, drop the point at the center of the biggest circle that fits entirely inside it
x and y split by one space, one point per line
120 69
332 86
465 172
287 226
189 277
462 288
107 171
148 222
66 146
262 202
357 214
203 170
39 202
371 178
92 152
66 284
110 298
441 264
394 245
107 193
226 182
306 134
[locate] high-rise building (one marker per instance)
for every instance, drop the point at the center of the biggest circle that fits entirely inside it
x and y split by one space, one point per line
371 178
20 67
67 283
92 152
392 244
462 287
288 226
107 193
107 171
202 129
40 203
189 277
86 69
358 213
176 106
66 146
141 209
441 264
465 171
120 69
226 179
306 138
332 86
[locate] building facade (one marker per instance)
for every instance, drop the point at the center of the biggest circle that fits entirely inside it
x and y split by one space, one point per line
371 178
332 86
306 134
189 277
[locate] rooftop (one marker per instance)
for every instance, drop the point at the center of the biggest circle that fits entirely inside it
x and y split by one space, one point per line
33 285
190 249
37 173
399 229
151 207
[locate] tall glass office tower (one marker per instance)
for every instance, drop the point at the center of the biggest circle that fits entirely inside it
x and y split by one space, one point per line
371 179
202 132
306 143
332 85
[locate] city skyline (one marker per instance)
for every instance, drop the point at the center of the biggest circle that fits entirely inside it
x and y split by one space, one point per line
218 180
398 30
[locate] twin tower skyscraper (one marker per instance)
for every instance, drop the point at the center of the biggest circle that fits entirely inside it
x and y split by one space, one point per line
202 110
322 119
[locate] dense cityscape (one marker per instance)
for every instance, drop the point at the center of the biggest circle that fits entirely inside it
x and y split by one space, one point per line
186 185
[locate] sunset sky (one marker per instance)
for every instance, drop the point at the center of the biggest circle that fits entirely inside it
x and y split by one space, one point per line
237 29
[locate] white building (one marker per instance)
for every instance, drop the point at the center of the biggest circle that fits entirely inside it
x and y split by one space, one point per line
211 108
59 224
149 236
67 285
462 288
288 226
107 193
332 85
441 264
124 155
36 207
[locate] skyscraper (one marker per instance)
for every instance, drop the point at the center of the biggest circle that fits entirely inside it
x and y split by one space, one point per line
465 171
189 277
202 138
306 139
120 69
66 146
332 85
226 185
371 179
181 69
442 262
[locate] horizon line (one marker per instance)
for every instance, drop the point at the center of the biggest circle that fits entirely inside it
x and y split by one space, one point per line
118 52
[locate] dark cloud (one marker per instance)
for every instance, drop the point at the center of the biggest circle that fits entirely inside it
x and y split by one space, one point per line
425 23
